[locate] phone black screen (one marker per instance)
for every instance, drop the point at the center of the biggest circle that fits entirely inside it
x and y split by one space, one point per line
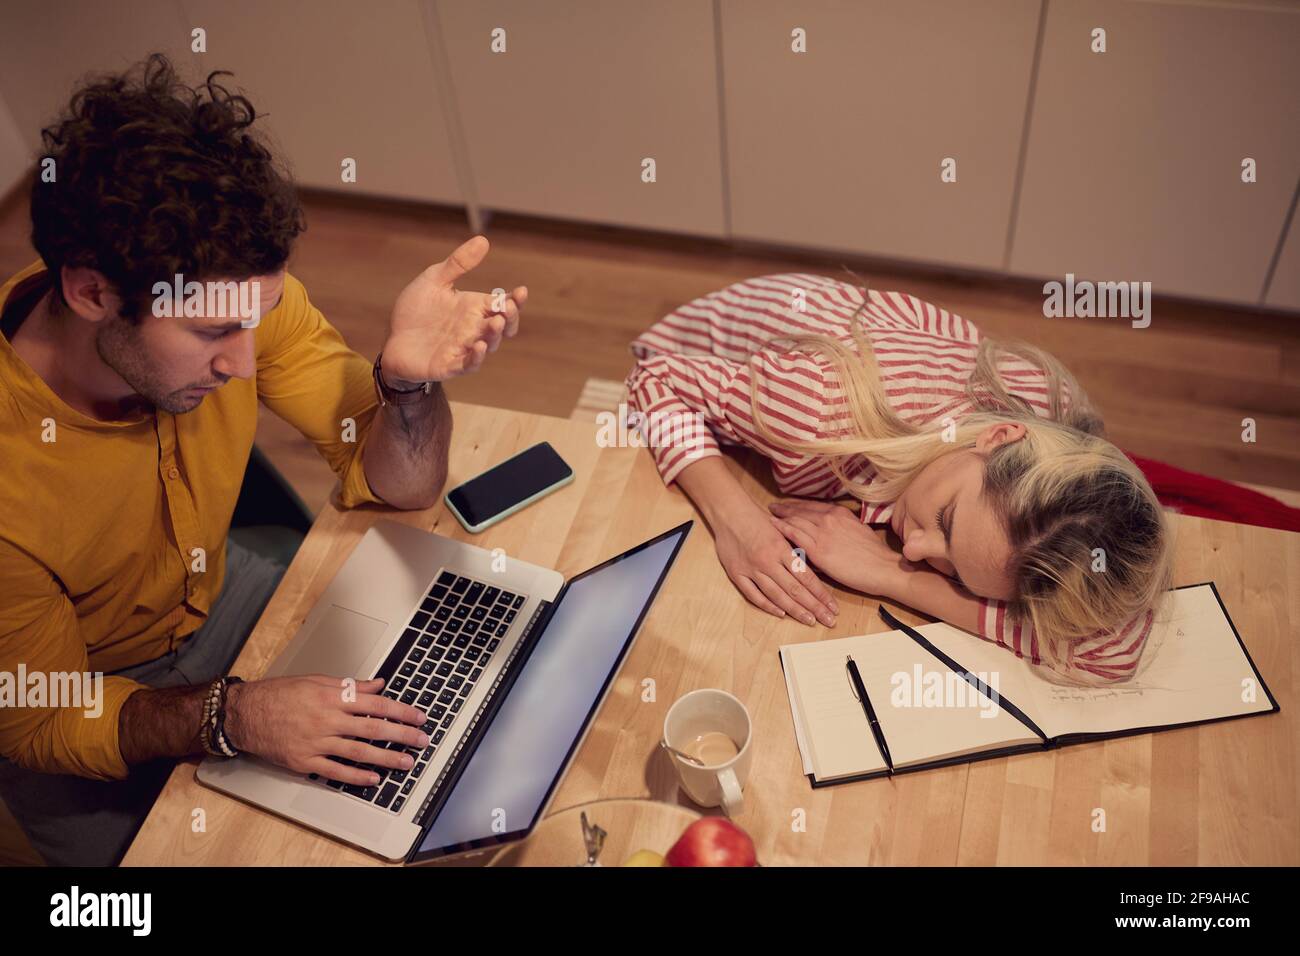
504 486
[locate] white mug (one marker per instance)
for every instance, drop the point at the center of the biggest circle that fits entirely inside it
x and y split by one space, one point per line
702 712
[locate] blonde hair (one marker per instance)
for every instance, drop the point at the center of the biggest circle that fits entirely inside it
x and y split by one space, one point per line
1062 491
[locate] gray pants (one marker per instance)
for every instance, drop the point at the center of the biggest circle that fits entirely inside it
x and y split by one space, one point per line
75 821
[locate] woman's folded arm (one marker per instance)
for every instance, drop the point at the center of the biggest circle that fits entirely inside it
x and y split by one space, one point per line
690 403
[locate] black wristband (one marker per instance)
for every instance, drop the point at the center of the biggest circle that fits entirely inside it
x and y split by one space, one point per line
394 396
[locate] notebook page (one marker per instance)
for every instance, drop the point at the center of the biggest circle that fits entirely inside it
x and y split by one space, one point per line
928 713
1198 672
800 735
840 742
1012 677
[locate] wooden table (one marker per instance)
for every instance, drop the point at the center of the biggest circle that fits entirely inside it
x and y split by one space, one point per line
1224 793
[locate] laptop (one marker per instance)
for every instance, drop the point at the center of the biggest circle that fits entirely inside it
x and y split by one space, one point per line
510 661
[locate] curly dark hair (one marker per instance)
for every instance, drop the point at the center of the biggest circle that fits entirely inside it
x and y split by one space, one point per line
154 178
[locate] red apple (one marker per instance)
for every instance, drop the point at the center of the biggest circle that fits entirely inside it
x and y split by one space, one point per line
713 841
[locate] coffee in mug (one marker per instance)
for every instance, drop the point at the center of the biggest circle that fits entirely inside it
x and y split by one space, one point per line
711 748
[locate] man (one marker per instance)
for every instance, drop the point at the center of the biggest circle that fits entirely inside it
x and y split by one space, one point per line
127 416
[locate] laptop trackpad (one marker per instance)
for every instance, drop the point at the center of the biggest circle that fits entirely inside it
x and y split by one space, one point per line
339 645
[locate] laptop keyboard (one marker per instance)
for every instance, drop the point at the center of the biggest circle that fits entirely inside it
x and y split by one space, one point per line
435 665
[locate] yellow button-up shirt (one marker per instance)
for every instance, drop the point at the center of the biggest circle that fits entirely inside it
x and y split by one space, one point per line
113 533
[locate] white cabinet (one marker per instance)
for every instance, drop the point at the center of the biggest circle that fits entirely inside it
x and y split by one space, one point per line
1129 161
561 122
841 147
339 80
1134 162
46 47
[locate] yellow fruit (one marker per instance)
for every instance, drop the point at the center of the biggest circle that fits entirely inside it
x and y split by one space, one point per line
645 858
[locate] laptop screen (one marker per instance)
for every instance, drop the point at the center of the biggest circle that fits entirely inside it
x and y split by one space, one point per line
520 759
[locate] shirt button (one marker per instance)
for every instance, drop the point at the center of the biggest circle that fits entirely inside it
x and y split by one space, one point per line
173 472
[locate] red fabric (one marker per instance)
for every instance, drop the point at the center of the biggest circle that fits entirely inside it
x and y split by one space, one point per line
1206 497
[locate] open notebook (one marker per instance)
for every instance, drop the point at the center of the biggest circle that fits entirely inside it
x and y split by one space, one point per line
943 696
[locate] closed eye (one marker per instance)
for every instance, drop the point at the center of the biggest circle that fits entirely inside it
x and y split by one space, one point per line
943 520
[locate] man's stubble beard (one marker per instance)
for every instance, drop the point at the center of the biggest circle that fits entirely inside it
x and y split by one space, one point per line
119 347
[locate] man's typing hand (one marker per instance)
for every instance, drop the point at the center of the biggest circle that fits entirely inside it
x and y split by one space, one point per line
301 722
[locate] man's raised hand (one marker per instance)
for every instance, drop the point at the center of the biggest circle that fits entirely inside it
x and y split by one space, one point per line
438 331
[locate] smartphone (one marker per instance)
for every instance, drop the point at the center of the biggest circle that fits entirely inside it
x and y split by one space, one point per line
514 484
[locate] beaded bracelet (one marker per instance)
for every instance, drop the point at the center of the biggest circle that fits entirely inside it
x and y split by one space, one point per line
210 703
212 729
220 730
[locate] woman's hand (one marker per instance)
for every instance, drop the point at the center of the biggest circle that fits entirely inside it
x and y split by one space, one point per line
762 565
835 540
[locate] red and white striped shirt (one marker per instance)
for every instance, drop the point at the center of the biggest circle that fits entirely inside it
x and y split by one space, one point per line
691 387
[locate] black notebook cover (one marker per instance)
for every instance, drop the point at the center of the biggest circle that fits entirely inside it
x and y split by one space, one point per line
1049 743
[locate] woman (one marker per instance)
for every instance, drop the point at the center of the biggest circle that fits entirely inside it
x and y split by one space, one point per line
1017 520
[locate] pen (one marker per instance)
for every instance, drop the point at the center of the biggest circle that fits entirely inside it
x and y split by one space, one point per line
860 692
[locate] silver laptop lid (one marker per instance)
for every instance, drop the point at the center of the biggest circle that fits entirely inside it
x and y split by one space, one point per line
519 760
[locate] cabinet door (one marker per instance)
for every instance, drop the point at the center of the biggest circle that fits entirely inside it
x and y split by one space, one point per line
841 147
15 156
339 80
1284 291
45 48
559 124
1133 169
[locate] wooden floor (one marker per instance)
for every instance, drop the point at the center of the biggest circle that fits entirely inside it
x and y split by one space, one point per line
1177 391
